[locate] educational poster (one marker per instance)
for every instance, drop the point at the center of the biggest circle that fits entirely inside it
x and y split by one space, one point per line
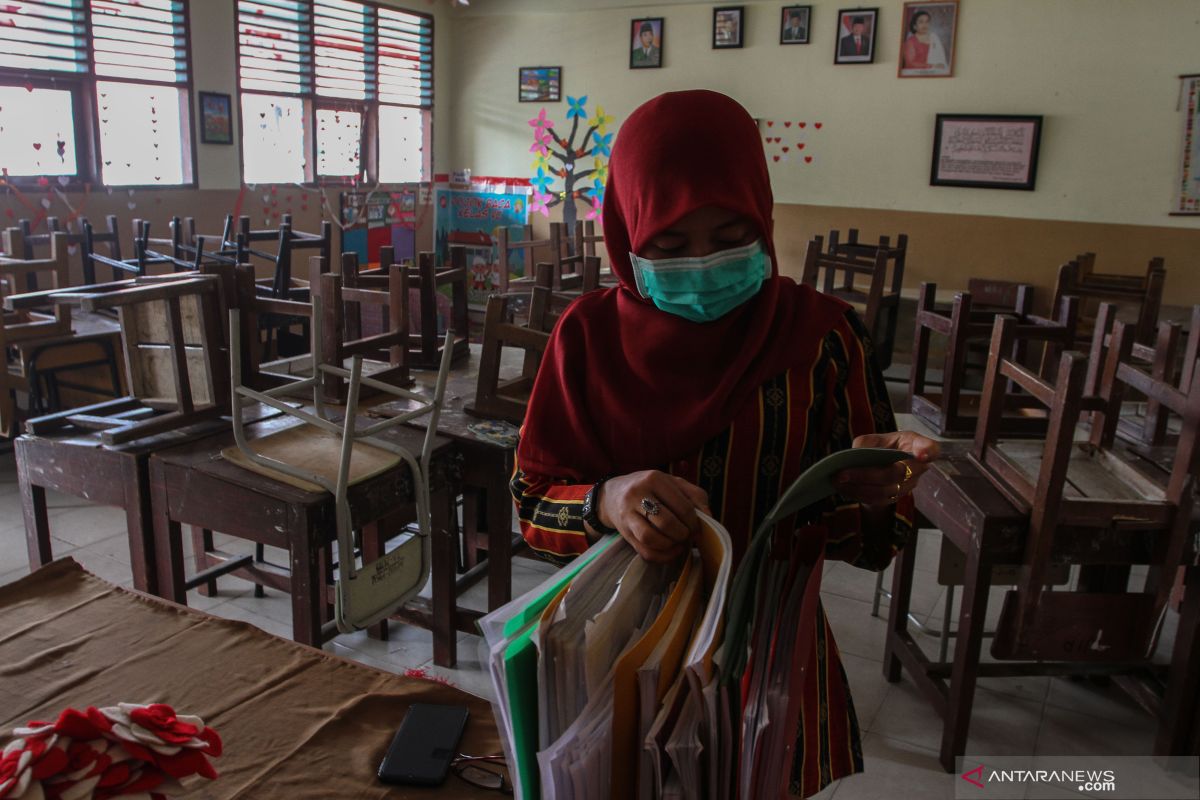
469 217
1189 171
373 219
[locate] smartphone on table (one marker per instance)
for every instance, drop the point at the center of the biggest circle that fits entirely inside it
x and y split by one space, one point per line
425 744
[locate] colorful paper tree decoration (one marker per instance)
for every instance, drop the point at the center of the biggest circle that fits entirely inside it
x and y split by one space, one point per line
569 168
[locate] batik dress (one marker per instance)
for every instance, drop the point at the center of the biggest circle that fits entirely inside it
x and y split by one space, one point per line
794 420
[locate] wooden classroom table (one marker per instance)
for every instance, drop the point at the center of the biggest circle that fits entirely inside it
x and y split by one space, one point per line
955 497
194 485
295 721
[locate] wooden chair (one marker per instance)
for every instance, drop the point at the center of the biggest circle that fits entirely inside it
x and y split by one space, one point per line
110 237
1083 490
553 244
953 412
586 238
174 355
344 300
1139 295
879 301
425 351
506 399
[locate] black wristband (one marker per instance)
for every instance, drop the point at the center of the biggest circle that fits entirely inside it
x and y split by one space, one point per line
591 511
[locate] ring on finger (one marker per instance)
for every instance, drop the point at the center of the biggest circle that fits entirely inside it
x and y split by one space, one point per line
908 473
650 507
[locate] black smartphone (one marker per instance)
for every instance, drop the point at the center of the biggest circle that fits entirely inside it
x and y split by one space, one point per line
424 746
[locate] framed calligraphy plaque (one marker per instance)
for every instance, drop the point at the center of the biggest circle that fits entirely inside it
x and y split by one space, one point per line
991 151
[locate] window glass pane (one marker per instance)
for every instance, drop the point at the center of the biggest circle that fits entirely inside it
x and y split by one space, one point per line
141 134
340 41
139 39
339 135
275 45
37 131
274 140
401 144
43 34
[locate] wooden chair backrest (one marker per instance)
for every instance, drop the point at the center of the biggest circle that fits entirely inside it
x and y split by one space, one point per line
505 399
1141 292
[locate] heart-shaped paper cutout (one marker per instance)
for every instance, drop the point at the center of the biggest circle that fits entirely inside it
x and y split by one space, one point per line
799 145
37 145
808 159
131 205
45 202
775 157
802 124
787 124
817 125
785 148
769 123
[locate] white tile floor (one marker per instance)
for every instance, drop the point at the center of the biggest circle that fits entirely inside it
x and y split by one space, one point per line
901 733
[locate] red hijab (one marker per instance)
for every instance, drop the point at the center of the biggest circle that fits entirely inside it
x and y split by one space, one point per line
624 386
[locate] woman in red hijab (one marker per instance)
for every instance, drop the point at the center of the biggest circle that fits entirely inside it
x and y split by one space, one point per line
707 381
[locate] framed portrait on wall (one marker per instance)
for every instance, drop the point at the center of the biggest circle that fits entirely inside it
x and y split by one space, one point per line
987 151
856 36
927 39
728 25
539 84
646 43
216 118
795 24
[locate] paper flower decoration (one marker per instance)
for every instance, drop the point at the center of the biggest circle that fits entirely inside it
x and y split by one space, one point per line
541 181
539 146
601 120
540 161
538 204
540 123
602 143
577 107
594 212
600 169
124 750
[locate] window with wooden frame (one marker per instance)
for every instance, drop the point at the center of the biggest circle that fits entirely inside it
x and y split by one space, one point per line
95 90
334 91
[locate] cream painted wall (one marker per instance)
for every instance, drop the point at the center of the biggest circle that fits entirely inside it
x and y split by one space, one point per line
1102 72
214 62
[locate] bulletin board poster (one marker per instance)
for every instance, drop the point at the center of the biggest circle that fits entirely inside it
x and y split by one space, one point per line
470 217
1189 172
376 218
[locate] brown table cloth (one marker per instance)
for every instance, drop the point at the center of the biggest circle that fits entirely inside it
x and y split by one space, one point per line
296 722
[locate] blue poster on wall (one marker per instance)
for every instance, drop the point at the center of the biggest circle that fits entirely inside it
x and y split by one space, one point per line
469 216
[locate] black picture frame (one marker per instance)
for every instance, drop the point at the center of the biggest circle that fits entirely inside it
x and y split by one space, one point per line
216 117
530 82
846 19
804 36
721 39
637 57
971 144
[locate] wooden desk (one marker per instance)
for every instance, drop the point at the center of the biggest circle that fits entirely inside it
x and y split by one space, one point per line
193 484
955 497
295 722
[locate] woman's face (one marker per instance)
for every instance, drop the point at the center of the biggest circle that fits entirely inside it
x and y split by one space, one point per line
700 233
922 23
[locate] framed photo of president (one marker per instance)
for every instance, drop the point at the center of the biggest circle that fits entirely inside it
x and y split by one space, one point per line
646 43
856 36
795 25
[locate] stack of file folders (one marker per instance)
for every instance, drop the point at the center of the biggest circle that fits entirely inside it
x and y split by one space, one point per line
619 678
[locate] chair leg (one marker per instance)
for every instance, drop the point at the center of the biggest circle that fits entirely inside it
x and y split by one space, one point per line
202 545
965 672
902 578
260 555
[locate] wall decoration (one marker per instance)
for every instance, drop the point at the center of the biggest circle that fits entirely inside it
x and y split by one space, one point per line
216 118
728 25
788 140
795 24
566 158
856 36
987 151
927 39
1188 201
469 217
390 218
646 43
539 84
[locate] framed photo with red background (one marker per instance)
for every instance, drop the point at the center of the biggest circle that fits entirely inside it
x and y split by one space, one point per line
927 39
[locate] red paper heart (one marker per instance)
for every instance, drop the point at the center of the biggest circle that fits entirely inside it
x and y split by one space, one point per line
775 157
787 124
785 148
37 145
817 125
767 139
778 140
808 159
770 123
29 87
802 124
799 145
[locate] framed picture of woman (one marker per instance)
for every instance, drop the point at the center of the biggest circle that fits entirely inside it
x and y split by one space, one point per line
927 39
856 36
646 43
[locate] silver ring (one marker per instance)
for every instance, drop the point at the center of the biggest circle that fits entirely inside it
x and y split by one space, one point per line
650 507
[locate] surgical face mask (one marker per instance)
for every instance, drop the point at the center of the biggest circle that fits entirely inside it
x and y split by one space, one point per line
706 288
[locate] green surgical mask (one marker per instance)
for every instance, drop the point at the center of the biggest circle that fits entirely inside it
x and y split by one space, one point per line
706 288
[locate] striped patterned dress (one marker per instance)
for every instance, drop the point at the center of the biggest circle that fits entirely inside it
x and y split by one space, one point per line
793 421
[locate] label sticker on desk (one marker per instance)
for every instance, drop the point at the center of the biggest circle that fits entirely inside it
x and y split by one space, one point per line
495 431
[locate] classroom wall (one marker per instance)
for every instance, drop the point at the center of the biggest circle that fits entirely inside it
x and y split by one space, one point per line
1103 73
219 192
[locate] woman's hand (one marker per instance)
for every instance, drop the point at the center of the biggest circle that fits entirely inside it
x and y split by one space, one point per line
661 536
880 486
